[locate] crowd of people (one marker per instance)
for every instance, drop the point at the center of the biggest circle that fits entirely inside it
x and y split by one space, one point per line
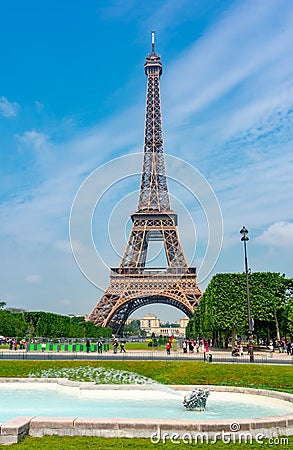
196 345
100 345
282 346
238 350
13 344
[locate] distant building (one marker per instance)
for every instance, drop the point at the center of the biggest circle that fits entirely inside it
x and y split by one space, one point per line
151 324
77 315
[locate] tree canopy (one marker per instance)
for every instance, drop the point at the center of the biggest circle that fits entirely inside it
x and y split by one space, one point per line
223 306
46 324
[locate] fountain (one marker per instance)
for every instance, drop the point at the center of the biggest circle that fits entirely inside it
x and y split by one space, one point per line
141 409
196 399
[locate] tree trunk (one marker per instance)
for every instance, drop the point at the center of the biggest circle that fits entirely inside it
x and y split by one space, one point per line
215 339
220 340
233 337
268 334
226 339
277 327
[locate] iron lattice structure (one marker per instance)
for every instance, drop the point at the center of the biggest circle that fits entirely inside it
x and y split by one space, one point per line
133 284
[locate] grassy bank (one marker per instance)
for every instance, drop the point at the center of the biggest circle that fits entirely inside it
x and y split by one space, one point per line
173 372
84 443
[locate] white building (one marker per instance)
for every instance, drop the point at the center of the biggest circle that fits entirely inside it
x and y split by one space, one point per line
151 324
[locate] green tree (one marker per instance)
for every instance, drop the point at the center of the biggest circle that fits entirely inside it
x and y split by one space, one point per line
12 324
132 329
193 327
223 307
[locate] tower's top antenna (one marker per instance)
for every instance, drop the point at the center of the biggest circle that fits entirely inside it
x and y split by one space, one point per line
153 61
153 42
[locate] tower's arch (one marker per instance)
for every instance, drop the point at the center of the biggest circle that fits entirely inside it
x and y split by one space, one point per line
120 313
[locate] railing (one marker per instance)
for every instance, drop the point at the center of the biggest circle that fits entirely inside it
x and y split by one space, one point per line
150 271
148 355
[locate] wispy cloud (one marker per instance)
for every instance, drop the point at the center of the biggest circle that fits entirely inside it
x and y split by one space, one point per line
37 141
243 73
279 234
7 108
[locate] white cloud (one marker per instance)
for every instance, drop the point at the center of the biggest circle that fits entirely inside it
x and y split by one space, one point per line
226 75
37 141
280 235
33 279
7 108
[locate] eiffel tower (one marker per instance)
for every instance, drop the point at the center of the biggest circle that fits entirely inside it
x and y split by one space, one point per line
133 284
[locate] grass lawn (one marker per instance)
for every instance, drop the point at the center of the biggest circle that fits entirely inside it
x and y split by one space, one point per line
77 443
174 372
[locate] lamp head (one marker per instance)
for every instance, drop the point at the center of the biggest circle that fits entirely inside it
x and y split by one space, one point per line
244 233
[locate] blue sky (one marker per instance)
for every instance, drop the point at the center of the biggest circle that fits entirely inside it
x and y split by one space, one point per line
72 98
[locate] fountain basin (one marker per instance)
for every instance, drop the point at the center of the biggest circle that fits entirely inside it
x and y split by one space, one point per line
140 410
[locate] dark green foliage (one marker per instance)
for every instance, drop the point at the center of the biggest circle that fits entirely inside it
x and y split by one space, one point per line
193 326
12 324
49 325
133 329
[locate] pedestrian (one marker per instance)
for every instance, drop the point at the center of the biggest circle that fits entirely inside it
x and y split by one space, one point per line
122 347
184 346
168 348
190 345
100 346
88 345
206 345
115 345
241 349
250 352
271 348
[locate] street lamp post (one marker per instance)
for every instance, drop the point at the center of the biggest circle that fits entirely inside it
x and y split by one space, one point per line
245 238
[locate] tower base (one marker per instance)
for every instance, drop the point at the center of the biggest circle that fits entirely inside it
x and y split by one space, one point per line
132 288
